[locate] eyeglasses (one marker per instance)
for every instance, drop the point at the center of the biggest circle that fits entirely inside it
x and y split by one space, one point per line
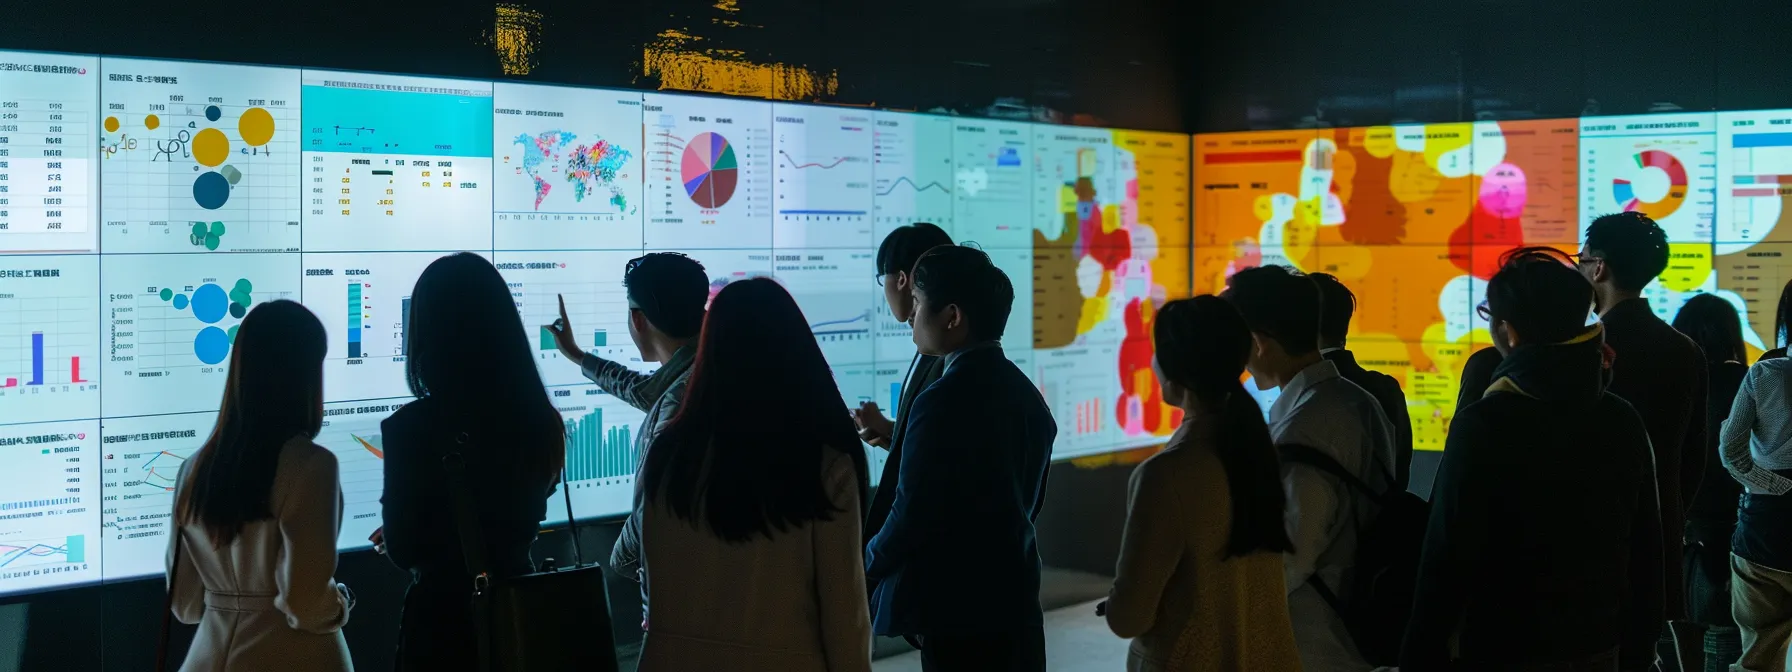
1485 312
1584 258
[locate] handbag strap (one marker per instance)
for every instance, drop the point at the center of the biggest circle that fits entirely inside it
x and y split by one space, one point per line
472 544
168 605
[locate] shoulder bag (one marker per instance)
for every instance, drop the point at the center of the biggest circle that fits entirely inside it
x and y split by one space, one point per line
549 621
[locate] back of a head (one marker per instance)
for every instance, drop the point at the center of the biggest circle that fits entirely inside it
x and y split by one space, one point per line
1337 305
274 393
1632 245
1202 345
965 277
1712 323
905 245
1278 302
466 349
670 289
745 451
1542 300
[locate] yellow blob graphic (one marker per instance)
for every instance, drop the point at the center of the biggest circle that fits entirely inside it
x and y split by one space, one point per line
1066 199
1441 139
152 122
1264 207
1689 264
211 148
255 127
1110 218
111 124
1378 141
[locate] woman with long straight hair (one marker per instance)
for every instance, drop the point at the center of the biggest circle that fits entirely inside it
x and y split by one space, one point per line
751 501
1711 322
469 365
257 510
1199 583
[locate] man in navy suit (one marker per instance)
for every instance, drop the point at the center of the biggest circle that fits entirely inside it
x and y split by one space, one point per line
956 565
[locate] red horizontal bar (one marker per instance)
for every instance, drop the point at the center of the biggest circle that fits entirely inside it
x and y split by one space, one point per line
1278 156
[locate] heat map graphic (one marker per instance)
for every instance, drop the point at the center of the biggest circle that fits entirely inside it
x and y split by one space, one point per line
1413 219
1108 251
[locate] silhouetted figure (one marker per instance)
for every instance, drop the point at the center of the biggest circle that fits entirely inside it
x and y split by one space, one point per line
1320 409
956 565
478 391
1337 306
751 502
895 273
1658 370
257 510
1543 550
1712 323
1199 583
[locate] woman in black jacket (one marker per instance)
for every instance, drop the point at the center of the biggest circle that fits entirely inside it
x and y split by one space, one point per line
477 388
1712 323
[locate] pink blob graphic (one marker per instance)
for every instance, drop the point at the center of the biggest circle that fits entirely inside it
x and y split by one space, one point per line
1503 191
1134 423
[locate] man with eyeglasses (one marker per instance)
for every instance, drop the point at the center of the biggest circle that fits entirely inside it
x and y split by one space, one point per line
668 295
1659 371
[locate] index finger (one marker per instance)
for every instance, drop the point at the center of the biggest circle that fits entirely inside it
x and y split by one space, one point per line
562 298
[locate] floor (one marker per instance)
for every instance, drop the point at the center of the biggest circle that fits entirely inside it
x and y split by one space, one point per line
1076 640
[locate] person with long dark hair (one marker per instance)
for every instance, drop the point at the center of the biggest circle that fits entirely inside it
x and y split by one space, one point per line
750 503
1199 584
257 509
1543 550
477 390
1713 324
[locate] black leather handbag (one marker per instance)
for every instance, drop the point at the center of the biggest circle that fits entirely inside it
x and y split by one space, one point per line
553 620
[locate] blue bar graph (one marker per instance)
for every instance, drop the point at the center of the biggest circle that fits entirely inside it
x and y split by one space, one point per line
37 358
1751 140
354 320
404 325
895 396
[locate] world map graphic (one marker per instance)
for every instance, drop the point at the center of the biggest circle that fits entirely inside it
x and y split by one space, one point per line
586 167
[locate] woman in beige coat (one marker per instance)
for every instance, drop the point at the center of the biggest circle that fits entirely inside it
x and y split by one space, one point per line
258 509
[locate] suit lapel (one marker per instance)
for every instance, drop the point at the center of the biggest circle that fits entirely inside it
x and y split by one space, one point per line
926 370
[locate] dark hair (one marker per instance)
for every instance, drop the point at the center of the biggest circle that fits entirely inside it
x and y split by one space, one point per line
274 392
1712 323
1278 302
1202 344
1632 245
965 277
670 290
1336 304
1783 313
744 456
1544 300
904 246
466 349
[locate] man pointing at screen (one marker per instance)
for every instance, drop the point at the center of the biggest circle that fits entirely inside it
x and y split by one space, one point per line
668 294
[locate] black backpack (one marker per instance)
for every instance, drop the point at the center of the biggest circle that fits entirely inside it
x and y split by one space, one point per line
1387 562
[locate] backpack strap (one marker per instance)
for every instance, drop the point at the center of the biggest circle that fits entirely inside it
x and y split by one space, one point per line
472 543
1318 459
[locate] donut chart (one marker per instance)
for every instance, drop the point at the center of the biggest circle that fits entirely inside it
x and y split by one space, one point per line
709 170
1625 193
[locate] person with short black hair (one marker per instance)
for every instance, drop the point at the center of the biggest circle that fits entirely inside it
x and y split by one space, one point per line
1658 370
956 565
1338 305
668 294
1712 323
1543 550
1320 409
896 259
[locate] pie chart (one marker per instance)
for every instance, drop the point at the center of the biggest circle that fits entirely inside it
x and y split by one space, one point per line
709 170
1625 193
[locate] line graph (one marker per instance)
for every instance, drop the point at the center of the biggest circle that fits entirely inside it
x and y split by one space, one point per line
911 184
70 549
164 476
813 164
858 325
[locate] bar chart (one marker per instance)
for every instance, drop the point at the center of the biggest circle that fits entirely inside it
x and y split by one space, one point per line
601 458
49 337
597 452
596 304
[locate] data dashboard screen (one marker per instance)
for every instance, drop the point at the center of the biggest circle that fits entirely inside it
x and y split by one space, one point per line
147 206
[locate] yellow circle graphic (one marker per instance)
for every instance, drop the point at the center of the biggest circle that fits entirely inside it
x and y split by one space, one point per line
152 122
210 148
255 127
111 124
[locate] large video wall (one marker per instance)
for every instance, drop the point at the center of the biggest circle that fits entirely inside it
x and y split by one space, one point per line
1414 219
146 206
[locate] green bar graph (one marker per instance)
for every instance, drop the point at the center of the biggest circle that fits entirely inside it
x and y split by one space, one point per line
77 548
596 452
